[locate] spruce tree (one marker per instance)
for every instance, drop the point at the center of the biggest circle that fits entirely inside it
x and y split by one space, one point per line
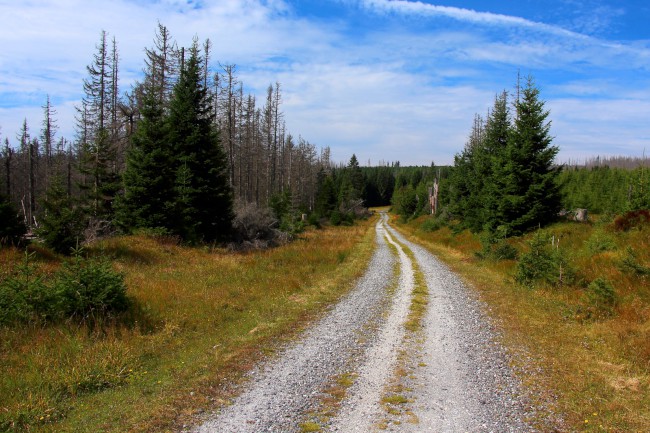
202 204
97 147
61 223
530 193
149 176
497 132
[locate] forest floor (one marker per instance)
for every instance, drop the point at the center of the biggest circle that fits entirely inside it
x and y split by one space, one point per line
410 348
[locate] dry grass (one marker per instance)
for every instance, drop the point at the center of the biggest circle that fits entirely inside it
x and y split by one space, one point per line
202 318
593 371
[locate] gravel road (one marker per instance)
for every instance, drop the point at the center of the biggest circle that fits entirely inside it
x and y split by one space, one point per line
459 379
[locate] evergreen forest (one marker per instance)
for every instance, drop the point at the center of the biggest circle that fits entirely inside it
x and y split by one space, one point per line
186 153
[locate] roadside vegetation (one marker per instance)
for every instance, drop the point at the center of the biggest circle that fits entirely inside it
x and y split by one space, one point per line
198 319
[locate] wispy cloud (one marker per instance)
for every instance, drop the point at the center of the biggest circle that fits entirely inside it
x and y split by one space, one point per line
462 14
374 89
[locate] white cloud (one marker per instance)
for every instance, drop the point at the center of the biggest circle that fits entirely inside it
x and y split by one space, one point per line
387 93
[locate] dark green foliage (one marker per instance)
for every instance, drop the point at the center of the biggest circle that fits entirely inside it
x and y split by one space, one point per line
62 222
602 297
290 220
405 202
379 185
24 296
356 188
89 289
12 228
98 165
280 204
335 218
496 247
83 290
544 263
531 196
148 178
202 203
505 176
176 177
326 196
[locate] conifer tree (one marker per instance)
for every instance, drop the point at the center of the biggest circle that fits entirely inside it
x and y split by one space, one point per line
149 175
97 148
61 224
202 203
531 195
497 132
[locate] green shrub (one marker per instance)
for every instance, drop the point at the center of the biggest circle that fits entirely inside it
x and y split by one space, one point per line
314 220
544 263
432 224
600 242
496 247
335 218
83 289
62 223
602 297
630 263
90 288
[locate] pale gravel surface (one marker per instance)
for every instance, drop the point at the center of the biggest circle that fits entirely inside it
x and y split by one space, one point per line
280 393
361 410
460 378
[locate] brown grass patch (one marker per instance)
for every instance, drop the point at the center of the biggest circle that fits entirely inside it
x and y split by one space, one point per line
203 318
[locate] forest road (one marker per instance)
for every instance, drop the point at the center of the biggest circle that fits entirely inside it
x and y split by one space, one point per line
457 376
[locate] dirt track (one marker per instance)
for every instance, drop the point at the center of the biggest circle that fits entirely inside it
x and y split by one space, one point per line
458 381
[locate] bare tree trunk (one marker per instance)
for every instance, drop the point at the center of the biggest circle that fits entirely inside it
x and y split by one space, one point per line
8 153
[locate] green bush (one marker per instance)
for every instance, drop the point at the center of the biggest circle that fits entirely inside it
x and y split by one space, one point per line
600 242
432 224
21 293
544 263
335 218
496 247
314 220
90 288
62 223
630 263
602 297
83 289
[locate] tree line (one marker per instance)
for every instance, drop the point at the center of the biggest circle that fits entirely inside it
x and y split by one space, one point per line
180 151
506 180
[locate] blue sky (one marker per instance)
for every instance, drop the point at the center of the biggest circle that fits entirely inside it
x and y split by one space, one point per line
388 80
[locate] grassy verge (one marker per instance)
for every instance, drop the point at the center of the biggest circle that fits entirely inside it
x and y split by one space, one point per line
593 369
201 319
